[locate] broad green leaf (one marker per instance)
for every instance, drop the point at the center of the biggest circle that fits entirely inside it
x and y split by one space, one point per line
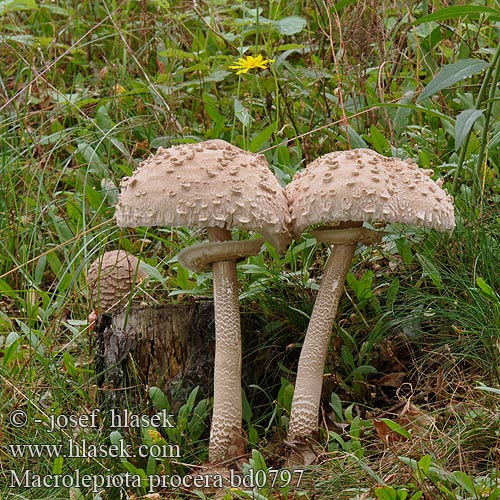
291 25
430 270
242 113
346 355
379 142
483 387
459 11
356 141
69 364
464 123
16 5
290 46
57 466
389 493
336 406
257 142
394 426
103 120
92 158
257 461
53 138
451 74
465 482
400 120
424 463
11 338
364 370
159 399
247 408
338 6
40 269
486 290
153 272
392 292
176 53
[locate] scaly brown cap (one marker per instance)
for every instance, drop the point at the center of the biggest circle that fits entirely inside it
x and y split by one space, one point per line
111 277
209 184
361 185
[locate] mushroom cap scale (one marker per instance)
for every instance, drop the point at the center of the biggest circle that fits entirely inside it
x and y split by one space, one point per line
362 185
209 184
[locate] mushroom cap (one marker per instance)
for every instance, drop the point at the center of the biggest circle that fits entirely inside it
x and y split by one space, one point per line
364 186
209 184
111 277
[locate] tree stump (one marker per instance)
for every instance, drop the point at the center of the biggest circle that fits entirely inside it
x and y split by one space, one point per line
169 346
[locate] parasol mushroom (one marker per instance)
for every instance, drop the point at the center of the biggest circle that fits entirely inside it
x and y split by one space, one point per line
111 278
220 187
349 188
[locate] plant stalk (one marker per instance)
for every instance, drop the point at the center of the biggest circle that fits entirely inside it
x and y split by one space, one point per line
226 431
307 395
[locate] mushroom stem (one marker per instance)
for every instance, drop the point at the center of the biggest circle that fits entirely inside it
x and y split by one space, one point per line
226 430
307 394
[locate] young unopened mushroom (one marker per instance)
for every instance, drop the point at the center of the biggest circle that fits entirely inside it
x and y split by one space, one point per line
220 187
111 278
347 189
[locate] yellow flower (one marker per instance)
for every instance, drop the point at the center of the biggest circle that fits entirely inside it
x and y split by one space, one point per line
119 89
244 64
155 436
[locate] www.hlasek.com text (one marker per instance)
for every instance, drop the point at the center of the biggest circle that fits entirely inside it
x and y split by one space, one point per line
85 449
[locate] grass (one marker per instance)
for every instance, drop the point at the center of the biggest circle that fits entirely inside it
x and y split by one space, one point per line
90 89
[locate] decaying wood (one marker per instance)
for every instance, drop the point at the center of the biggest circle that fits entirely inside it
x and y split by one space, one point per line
169 346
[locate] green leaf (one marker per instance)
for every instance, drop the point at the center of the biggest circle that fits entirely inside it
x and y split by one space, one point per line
389 493
290 46
392 292
69 364
464 481
257 142
424 463
290 25
486 290
92 158
464 123
346 355
451 74
365 370
159 399
257 462
57 465
103 119
16 5
483 387
430 270
379 142
152 271
459 11
394 426
247 408
338 6
40 269
242 113
176 54
355 139
336 406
